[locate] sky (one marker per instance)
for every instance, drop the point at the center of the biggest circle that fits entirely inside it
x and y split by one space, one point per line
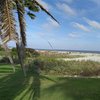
79 27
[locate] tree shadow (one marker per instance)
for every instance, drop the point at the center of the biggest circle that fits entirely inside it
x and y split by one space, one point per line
34 88
75 89
35 85
17 87
11 85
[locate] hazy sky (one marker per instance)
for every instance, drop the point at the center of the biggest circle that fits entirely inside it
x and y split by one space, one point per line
79 25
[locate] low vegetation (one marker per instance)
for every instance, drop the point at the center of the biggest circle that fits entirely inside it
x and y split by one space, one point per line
70 68
49 65
48 79
51 54
14 86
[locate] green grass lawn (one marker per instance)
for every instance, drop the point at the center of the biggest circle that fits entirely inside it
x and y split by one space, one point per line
14 86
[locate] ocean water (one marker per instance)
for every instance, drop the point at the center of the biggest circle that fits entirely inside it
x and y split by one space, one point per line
81 51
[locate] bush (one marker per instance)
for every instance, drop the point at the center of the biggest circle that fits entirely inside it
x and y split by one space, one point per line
5 60
39 63
61 67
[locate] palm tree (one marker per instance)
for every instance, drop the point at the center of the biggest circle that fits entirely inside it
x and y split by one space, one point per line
7 22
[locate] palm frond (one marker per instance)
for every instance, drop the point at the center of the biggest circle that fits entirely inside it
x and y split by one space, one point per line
38 4
7 21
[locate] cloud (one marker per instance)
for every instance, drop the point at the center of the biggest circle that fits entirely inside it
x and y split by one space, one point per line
44 4
67 1
96 2
66 9
93 23
73 35
81 27
50 24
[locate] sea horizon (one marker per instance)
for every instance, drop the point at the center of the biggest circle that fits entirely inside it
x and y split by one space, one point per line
67 50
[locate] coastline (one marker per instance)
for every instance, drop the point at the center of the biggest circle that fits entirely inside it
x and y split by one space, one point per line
86 57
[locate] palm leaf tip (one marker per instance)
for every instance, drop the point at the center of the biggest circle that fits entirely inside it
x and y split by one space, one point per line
46 11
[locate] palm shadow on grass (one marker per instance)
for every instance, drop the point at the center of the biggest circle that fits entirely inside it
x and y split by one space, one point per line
17 87
74 89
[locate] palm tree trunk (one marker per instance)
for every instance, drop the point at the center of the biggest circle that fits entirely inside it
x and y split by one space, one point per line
21 59
22 43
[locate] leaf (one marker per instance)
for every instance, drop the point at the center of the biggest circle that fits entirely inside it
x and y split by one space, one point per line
32 16
37 3
7 26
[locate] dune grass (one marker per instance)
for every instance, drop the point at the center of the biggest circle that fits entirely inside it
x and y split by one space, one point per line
14 86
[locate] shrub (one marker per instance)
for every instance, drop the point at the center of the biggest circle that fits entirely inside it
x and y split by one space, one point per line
5 60
39 63
60 67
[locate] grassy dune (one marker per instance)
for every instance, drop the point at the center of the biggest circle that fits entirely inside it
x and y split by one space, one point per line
14 86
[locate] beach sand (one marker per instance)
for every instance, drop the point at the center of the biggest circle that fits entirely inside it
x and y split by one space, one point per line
86 57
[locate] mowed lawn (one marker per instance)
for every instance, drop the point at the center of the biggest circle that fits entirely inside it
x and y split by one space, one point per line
14 86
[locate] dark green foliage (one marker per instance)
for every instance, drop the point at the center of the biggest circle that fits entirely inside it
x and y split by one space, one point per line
1 49
5 60
32 16
29 52
39 63
14 51
31 6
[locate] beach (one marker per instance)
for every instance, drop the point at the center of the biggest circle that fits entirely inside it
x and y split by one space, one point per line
86 57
